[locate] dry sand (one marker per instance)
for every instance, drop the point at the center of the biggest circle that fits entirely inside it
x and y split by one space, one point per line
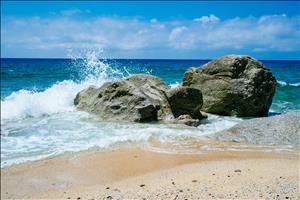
139 174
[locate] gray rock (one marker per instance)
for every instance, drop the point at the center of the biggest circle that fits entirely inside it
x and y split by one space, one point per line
277 130
187 120
139 98
233 85
185 101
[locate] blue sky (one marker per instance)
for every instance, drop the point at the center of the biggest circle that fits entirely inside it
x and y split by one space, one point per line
199 30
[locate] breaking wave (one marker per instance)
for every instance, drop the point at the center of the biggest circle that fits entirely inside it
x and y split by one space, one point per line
283 83
59 97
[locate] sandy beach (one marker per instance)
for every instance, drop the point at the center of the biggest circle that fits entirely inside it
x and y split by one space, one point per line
150 100
133 173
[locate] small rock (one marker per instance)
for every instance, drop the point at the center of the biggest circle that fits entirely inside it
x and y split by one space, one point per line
237 170
188 120
194 181
142 185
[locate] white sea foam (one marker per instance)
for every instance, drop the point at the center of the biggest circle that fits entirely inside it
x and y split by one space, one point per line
24 103
174 85
59 97
41 137
283 83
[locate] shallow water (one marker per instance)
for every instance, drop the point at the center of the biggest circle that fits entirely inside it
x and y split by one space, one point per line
38 118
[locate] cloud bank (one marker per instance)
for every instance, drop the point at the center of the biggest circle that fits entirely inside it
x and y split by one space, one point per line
138 37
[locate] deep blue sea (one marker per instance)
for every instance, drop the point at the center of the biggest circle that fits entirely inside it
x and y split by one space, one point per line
38 118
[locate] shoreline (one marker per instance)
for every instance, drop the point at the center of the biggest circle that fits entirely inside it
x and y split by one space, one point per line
134 173
190 147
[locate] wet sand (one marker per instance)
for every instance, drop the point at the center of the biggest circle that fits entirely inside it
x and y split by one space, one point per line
133 173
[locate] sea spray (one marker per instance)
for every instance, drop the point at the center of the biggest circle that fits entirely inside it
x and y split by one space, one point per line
92 69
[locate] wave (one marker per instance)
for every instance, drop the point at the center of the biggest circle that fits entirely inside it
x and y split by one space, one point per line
174 85
25 103
59 97
38 138
283 83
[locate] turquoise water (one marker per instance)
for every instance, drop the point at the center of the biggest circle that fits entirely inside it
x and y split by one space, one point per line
40 74
38 118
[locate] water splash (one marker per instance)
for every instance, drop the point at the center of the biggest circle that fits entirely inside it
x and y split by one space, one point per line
92 68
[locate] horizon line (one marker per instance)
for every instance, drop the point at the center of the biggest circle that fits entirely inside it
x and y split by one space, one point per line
53 58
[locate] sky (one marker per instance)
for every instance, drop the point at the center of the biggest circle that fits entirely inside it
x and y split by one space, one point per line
158 29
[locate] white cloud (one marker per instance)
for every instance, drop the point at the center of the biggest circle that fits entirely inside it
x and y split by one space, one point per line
273 33
207 19
70 12
180 38
153 20
75 11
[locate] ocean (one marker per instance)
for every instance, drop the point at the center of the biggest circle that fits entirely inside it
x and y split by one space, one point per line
39 120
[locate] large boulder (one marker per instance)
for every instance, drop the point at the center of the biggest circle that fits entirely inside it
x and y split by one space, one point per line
277 130
139 98
185 101
233 85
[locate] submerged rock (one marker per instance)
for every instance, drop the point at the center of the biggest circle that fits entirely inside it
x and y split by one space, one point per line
185 101
139 98
233 85
187 120
277 130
